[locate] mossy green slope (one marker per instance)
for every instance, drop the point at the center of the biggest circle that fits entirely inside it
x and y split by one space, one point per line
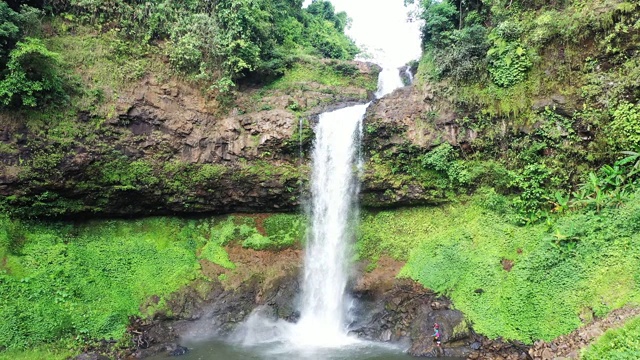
521 283
63 282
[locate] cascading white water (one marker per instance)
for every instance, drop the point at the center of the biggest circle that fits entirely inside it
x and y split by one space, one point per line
389 78
334 212
334 188
408 74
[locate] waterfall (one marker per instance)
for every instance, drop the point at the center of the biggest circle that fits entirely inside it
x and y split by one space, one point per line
408 74
334 189
388 80
334 213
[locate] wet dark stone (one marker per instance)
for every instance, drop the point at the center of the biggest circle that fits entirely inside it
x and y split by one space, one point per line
179 350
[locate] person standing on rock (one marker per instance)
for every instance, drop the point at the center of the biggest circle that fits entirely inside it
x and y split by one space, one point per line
436 334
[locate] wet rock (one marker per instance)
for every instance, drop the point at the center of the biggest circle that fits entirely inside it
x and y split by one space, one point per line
178 350
405 313
385 336
217 312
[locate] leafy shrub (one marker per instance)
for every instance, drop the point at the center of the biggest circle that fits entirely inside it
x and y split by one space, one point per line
9 30
625 127
532 183
443 158
185 55
464 59
509 62
258 241
33 76
285 229
125 175
195 44
328 42
439 19
215 253
282 231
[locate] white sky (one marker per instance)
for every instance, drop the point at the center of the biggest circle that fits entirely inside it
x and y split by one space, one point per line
382 25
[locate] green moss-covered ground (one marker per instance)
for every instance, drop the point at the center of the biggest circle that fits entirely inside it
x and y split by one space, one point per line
67 283
49 353
523 283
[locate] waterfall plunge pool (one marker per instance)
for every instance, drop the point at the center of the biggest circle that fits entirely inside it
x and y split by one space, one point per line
217 349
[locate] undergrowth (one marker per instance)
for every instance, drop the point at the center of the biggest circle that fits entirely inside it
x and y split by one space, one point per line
66 283
521 283
330 73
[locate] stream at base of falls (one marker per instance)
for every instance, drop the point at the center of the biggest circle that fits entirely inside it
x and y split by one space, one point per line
222 350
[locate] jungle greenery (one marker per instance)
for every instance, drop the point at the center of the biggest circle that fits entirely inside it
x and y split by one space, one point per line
550 86
215 43
517 282
68 283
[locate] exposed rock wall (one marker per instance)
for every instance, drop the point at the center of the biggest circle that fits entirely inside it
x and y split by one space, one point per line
167 148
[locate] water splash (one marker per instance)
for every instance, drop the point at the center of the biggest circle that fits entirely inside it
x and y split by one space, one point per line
334 188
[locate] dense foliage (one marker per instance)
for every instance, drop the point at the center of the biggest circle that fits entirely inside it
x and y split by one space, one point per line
214 43
550 87
523 283
31 76
225 40
81 282
29 72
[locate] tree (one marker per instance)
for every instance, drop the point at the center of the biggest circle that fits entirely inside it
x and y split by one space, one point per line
9 31
32 76
439 19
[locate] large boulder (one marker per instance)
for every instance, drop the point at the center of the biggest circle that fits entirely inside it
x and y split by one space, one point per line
406 312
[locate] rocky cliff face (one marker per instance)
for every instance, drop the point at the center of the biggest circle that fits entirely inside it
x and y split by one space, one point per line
408 122
167 148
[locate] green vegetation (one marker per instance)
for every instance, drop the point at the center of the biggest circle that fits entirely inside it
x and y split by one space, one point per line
29 72
523 283
231 39
32 76
76 283
49 353
540 226
213 45
60 281
332 73
282 231
616 344
550 87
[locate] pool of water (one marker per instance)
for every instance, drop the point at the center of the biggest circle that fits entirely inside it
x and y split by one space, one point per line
220 350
